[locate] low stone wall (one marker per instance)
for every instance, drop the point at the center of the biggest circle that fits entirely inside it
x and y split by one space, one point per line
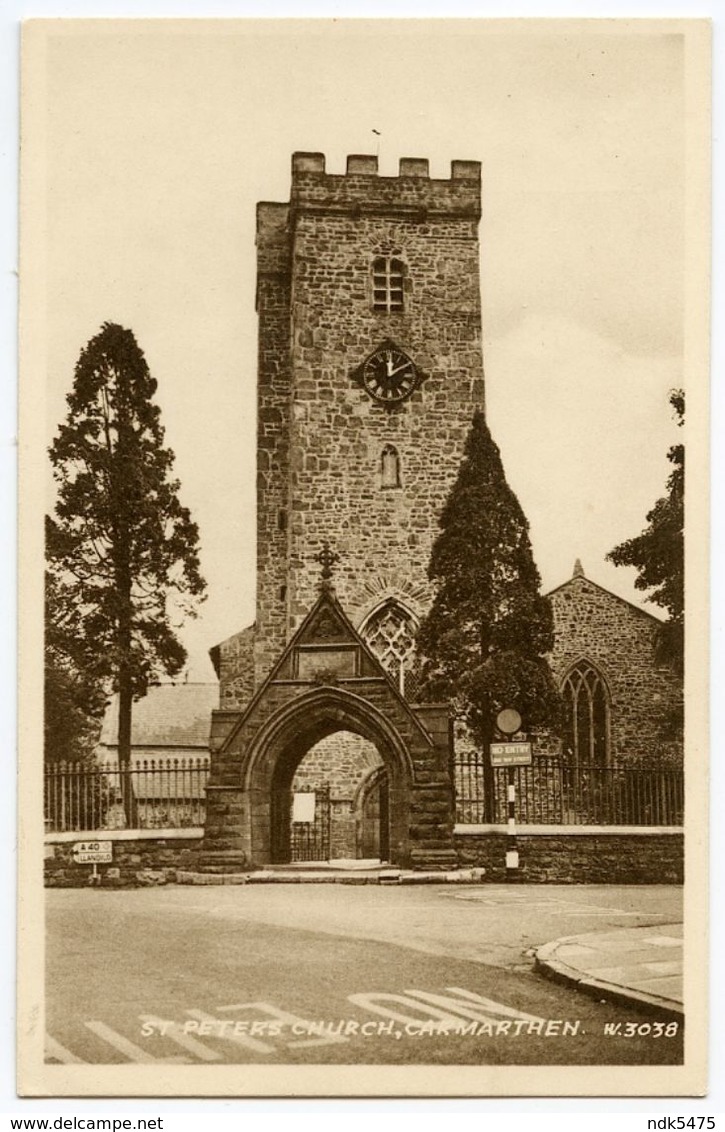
140 857
576 854
547 855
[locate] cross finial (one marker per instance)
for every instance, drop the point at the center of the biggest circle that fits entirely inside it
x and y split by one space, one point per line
327 559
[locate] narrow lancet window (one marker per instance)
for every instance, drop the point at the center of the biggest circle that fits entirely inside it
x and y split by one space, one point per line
390 467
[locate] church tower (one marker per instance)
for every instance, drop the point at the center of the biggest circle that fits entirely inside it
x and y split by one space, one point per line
369 374
370 369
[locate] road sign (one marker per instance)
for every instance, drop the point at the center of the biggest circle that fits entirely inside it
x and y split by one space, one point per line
510 754
508 721
93 852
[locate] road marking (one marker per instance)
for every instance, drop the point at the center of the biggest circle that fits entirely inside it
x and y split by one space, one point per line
474 1000
59 1053
127 1048
238 1039
375 1001
176 1034
441 1008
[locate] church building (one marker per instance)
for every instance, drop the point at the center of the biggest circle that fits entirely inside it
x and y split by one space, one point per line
369 372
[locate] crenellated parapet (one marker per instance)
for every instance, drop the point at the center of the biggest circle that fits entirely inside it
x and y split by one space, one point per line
360 190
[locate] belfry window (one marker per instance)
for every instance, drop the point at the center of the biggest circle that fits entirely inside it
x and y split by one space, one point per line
389 632
586 729
388 276
390 467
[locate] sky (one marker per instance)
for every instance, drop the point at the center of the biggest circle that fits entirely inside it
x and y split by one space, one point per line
161 139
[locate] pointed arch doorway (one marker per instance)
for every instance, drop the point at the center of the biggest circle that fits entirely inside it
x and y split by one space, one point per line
282 747
329 787
333 802
328 681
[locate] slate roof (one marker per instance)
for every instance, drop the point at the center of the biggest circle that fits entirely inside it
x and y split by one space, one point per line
171 715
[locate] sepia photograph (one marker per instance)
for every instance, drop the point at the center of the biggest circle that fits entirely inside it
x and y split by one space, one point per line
363 692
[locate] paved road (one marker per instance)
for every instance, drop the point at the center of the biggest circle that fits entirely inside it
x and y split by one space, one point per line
360 975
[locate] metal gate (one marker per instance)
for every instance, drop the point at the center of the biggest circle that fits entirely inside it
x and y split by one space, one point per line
310 840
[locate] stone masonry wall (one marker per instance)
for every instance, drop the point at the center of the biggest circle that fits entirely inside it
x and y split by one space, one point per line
321 435
589 858
273 432
343 760
594 624
144 862
597 858
236 669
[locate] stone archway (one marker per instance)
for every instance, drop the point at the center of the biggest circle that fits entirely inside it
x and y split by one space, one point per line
285 740
327 680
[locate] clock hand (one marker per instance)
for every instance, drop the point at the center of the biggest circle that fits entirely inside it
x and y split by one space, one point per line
392 372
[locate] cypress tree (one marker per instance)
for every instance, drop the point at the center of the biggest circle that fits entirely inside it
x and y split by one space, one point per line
485 639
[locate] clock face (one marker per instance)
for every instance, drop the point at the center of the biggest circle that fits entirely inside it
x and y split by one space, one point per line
389 375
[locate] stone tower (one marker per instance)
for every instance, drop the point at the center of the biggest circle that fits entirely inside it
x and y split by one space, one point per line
370 369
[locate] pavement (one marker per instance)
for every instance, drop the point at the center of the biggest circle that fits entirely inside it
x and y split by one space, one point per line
641 965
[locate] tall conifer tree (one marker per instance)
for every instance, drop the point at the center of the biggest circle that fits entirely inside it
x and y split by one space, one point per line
658 553
121 549
484 640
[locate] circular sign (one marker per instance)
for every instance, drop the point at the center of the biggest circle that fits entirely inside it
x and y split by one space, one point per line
508 721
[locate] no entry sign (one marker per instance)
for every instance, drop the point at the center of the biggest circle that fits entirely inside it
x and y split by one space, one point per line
510 754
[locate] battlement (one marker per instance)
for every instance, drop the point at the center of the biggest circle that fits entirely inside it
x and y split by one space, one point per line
367 165
361 189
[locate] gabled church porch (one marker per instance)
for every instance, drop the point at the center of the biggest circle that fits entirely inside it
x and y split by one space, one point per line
328 736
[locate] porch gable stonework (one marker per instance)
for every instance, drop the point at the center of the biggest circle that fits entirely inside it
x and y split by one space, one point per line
255 753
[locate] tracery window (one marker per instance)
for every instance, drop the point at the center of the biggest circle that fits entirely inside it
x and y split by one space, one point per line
586 730
390 633
390 467
388 276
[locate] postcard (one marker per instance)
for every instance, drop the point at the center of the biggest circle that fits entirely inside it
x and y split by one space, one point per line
362 700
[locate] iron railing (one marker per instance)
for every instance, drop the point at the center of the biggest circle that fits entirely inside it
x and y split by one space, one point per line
166 793
552 791
170 794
